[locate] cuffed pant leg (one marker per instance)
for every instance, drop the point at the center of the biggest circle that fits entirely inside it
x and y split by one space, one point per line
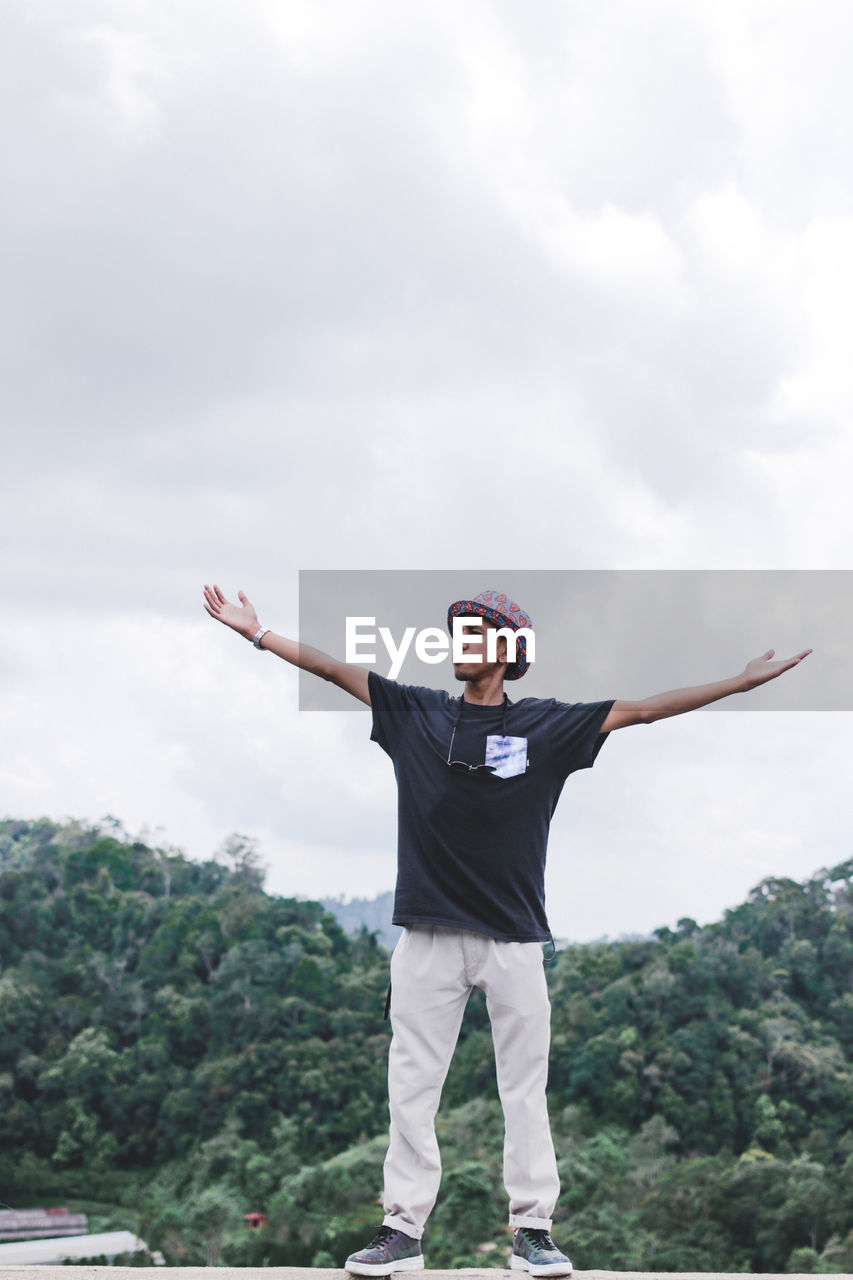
429 992
520 1012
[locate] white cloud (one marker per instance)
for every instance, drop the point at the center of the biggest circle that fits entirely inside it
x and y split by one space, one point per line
120 67
322 285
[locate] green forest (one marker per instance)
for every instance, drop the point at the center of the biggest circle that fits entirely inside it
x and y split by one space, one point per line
179 1048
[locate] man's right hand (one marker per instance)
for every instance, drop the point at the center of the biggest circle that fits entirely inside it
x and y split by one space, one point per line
239 617
243 619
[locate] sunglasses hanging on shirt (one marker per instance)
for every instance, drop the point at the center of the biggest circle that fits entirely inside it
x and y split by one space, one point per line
506 757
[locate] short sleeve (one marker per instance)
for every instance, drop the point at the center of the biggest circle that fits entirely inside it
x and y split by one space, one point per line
392 705
577 736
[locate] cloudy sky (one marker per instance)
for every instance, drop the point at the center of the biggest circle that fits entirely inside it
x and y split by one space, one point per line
362 284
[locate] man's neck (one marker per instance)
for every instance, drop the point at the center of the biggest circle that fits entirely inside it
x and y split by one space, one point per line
489 694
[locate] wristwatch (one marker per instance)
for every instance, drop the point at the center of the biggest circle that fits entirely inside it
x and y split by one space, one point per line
258 637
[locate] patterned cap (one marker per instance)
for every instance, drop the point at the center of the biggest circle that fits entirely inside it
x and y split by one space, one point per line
503 612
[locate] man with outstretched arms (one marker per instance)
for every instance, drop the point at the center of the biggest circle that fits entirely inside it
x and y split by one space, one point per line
478 779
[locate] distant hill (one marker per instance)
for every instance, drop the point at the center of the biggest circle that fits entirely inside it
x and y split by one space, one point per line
373 913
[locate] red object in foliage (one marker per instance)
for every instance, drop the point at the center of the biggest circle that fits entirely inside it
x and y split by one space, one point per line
256 1220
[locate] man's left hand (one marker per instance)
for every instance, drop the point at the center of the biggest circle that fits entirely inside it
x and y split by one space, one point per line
762 669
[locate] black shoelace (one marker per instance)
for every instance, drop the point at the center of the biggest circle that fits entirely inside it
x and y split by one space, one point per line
541 1239
383 1235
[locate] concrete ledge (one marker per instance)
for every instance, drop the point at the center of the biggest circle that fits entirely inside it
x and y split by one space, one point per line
319 1273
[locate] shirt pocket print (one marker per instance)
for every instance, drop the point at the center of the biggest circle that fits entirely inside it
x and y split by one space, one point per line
506 756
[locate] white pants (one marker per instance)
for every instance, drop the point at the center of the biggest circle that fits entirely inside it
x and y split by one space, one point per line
433 970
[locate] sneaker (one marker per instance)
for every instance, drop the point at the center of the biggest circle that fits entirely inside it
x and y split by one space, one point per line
534 1251
388 1251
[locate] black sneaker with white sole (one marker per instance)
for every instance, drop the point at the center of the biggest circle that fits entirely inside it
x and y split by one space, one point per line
388 1251
534 1251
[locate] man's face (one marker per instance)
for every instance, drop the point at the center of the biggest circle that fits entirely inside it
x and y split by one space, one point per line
474 648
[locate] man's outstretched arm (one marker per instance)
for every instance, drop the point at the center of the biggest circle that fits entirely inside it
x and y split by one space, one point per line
677 701
243 619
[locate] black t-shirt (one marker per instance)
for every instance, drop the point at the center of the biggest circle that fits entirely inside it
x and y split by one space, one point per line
471 846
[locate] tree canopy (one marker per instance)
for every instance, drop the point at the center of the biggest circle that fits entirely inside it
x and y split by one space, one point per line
184 1047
